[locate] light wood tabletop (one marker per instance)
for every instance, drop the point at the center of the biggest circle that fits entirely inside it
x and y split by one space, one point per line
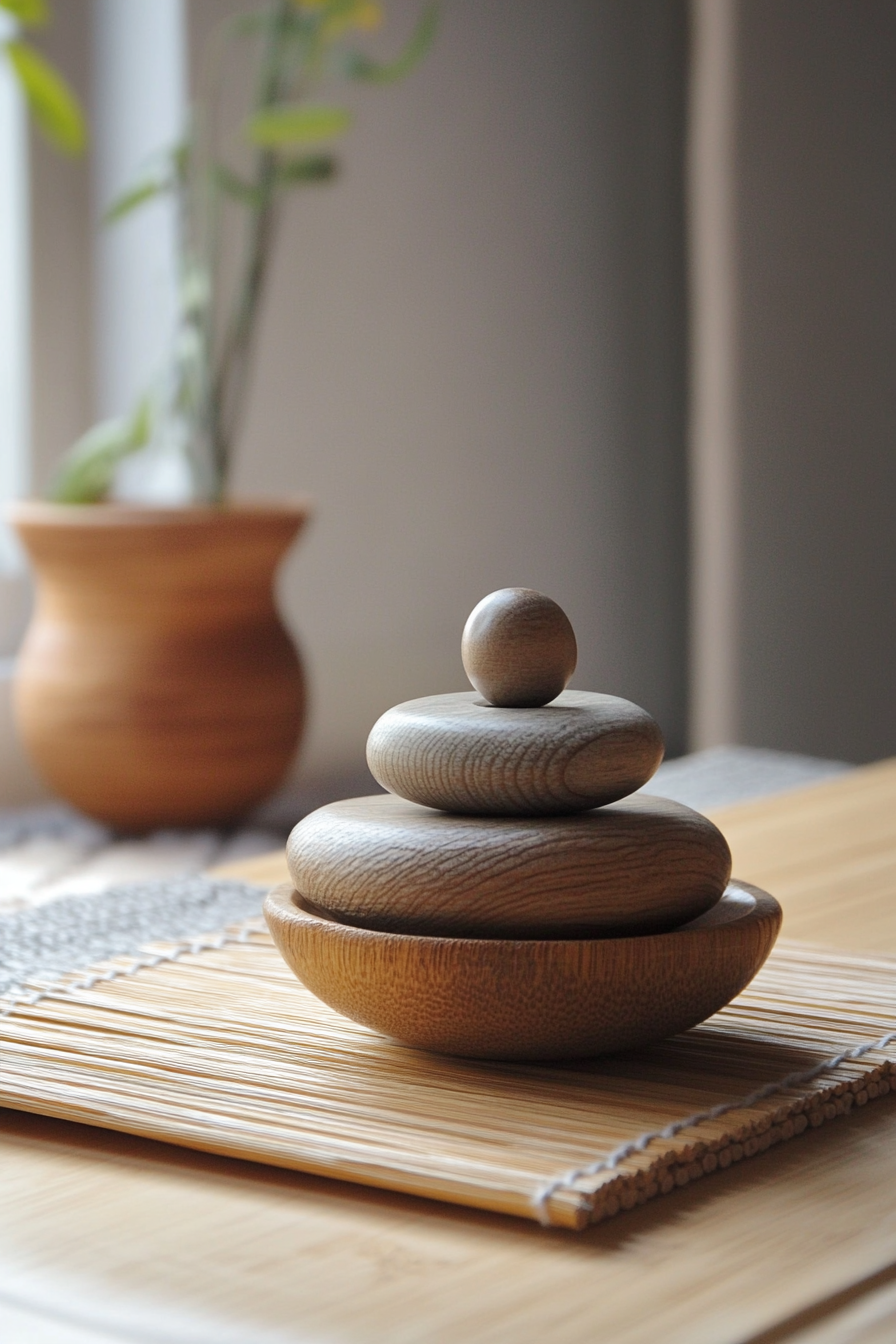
107 1237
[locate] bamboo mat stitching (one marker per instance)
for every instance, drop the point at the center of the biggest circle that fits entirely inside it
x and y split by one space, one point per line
639 1145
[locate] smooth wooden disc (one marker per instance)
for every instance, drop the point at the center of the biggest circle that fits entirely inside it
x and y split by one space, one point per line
495 999
457 753
639 865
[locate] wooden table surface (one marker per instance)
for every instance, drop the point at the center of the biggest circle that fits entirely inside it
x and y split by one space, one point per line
106 1237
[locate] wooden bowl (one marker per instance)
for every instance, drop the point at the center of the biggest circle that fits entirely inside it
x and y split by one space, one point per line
492 998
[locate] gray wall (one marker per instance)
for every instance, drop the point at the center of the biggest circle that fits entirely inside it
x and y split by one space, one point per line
816 210
472 358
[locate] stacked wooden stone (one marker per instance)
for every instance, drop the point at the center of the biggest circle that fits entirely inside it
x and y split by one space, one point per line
512 866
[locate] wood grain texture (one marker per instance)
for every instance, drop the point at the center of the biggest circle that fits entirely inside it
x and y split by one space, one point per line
457 753
639 865
138 1237
161 1236
518 648
157 685
134 1222
490 998
828 852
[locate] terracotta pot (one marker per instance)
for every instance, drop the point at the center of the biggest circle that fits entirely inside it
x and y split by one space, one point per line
157 685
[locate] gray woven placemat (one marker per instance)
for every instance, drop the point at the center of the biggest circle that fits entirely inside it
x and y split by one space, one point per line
75 932
721 776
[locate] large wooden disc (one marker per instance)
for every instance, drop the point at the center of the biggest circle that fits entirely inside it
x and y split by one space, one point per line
636 866
496 999
460 754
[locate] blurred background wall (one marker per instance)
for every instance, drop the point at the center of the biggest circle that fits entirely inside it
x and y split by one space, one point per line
793 425
816 402
474 358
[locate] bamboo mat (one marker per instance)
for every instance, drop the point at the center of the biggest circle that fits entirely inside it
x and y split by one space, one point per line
213 1044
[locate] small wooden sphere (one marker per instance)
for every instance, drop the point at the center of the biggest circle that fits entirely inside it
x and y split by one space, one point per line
633 867
455 753
518 648
491 998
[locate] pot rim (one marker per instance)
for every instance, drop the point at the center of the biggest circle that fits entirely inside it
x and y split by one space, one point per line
47 513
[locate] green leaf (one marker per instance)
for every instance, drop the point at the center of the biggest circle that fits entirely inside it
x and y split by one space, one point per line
55 107
180 156
159 177
334 18
252 25
132 198
313 168
247 25
141 422
195 289
233 185
88 468
33 13
296 123
359 66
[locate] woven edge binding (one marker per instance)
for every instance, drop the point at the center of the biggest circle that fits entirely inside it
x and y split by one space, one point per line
605 1191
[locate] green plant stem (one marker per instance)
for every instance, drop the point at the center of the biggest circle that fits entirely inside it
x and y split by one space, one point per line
231 374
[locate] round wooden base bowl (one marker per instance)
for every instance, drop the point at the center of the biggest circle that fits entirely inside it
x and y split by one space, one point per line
495 998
